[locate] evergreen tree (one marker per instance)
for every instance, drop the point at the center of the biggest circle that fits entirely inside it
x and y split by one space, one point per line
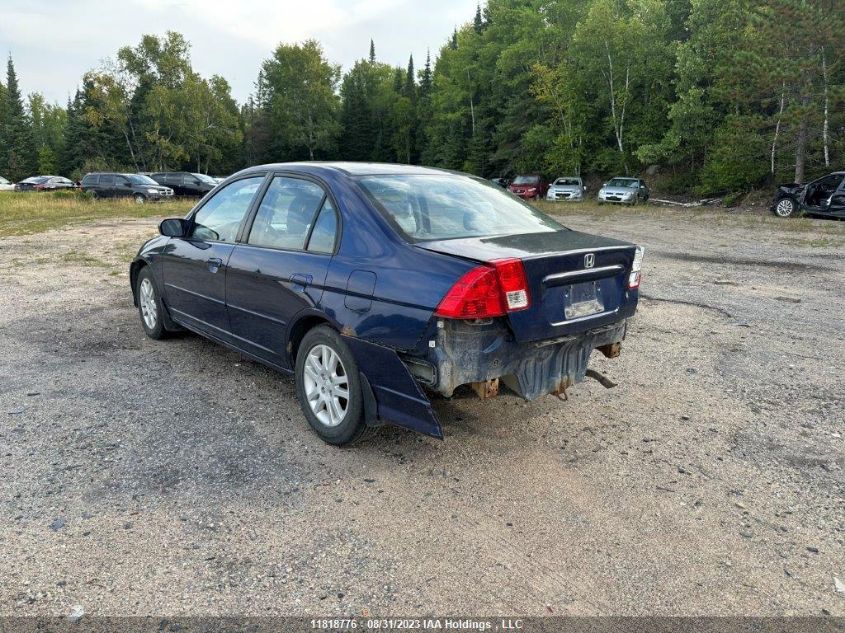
18 156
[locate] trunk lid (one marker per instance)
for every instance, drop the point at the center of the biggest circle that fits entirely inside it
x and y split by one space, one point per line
576 281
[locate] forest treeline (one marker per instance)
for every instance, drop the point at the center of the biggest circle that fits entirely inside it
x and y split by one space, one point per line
708 96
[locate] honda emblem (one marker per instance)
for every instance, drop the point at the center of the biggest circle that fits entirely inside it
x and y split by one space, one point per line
589 260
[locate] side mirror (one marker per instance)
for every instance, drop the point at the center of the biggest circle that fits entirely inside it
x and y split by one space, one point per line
173 227
604 184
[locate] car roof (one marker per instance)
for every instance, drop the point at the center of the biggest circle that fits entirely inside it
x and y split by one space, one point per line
352 168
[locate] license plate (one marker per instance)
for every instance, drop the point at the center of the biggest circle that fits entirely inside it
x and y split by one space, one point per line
582 300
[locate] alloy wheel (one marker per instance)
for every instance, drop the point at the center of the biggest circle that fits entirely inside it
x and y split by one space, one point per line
147 299
326 385
785 208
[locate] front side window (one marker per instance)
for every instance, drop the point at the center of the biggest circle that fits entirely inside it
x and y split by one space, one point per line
442 207
286 213
220 217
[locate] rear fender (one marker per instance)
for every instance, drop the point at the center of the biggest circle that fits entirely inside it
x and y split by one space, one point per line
399 398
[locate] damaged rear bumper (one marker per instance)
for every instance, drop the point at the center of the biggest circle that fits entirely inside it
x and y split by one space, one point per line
472 353
466 353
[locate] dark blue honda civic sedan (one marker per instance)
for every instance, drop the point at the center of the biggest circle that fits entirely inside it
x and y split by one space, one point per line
376 284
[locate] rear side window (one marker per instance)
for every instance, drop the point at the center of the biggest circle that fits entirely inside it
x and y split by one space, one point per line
286 214
106 179
90 179
323 235
219 218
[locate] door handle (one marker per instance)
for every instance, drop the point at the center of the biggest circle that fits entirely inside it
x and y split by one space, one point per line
214 264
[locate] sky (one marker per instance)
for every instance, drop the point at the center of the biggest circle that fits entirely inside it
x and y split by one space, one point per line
53 42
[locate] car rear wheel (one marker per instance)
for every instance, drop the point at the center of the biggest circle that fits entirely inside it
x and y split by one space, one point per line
149 305
785 207
139 199
329 387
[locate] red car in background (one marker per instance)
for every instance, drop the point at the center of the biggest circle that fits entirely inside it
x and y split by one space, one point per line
529 187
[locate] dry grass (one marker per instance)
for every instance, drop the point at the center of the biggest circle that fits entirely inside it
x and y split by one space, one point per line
26 213
711 216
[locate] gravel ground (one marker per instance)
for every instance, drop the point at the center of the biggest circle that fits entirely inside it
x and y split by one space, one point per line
174 477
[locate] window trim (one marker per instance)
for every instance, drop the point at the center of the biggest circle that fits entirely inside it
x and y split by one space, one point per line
259 194
327 195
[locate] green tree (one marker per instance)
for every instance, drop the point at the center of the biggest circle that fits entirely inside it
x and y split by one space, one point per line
303 104
18 154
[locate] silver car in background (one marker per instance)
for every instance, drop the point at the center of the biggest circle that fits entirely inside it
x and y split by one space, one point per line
624 190
566 188
5 185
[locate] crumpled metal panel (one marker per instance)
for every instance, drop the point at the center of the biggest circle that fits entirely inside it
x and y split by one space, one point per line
467 352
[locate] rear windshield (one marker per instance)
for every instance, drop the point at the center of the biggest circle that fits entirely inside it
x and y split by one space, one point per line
442 207
622 182
526 180
568 181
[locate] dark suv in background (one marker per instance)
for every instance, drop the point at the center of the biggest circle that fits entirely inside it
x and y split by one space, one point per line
113 185
185 183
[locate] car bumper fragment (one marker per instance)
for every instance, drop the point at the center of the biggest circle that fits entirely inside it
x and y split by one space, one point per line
467 353
399 397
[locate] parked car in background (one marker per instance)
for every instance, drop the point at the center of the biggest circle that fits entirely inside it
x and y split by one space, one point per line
115 185
566 188
185 183
822 197
502 182
529 187
45 183
5 185
371 283
624 190
218 179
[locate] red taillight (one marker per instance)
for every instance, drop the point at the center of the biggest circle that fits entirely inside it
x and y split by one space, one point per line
514 285
486 292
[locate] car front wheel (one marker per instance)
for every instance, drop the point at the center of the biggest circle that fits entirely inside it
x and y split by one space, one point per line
785 207
329 387
139 199
149 305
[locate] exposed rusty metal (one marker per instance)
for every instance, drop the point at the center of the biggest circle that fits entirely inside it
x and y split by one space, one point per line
486 388
565 384
611 350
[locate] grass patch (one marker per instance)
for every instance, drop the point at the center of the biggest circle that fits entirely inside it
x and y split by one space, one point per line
85 260
27 213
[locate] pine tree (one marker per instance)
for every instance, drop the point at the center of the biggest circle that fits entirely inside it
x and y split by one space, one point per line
20 159
478 23
372 52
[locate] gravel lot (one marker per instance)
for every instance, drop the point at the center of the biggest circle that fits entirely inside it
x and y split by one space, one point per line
174 477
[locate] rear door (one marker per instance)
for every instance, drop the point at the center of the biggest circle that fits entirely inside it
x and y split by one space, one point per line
279 269
195 267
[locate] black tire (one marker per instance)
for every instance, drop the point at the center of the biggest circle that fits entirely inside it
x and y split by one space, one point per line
785 208
139 199
353 427
155 329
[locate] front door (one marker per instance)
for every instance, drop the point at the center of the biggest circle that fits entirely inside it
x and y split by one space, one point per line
281 268
195 266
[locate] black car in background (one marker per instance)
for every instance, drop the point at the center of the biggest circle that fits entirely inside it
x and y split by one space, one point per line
45 183
185 183
822 197
114 185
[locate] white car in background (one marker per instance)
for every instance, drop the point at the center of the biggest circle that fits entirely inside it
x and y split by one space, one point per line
566 188
5 185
